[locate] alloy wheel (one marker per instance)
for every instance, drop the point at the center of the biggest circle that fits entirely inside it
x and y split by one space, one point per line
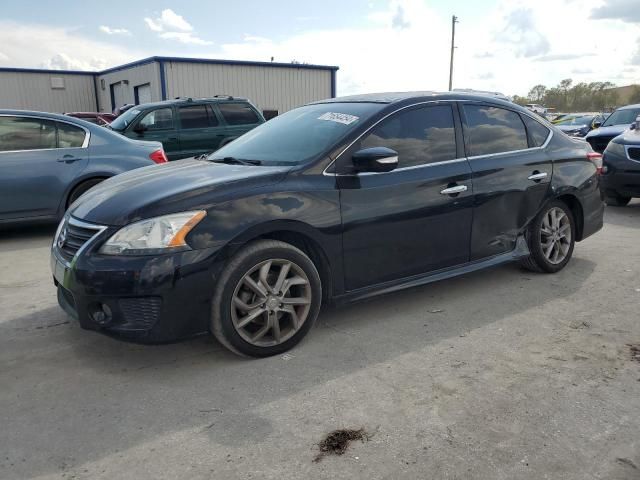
555 235
271 302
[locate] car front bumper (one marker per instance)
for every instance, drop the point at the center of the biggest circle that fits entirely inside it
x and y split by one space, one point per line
150 299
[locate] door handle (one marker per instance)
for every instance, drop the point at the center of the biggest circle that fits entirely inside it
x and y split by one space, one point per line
68 159
454 190
172 139
537 176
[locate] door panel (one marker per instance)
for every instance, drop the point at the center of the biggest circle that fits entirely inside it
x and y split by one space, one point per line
398 224
200 130
159 125
34 174
506 199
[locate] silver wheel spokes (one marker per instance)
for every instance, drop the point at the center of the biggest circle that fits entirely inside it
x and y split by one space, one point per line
271 302
555 235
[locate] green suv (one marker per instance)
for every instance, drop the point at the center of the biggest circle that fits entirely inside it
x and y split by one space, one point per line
189 127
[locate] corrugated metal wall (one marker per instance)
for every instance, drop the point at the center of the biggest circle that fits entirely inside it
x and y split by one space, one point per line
32 91
267 87
148 73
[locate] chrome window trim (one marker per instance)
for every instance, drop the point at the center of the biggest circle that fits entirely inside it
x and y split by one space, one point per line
85 143
541 147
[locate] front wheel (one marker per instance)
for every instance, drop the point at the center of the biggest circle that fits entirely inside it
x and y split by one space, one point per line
616 200
551 238
266 300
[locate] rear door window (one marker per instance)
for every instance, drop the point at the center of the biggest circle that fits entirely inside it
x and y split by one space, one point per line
491 130
70 136
194 116
23 133
420 135
160 119
538 133
238 114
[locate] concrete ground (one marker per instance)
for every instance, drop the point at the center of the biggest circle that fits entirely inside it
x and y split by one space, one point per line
502 374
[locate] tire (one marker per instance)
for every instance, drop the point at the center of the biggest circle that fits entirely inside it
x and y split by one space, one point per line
616 200
240 314
82 188
550 252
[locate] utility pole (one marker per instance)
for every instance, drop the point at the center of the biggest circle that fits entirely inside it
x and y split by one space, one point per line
454 20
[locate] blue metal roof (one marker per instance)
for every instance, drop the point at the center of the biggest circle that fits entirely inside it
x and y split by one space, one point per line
159 59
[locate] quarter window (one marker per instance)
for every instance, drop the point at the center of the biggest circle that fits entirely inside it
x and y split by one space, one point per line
18 133
420 135
70 136
160 119
538 133
195 116
493 130
238 114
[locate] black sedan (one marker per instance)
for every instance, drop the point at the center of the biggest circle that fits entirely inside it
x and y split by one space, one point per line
332 202
621 168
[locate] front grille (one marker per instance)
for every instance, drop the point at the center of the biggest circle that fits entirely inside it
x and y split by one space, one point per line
141 312
599 144
73 235
634 153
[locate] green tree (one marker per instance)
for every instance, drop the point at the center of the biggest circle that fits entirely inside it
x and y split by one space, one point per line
537 93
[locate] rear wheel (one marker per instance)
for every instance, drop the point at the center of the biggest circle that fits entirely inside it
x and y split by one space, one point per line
615 200
551 238
267 299
79 190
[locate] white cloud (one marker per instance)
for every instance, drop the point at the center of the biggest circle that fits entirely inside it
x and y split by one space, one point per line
41 46
114 31
185 37
171 26
168 21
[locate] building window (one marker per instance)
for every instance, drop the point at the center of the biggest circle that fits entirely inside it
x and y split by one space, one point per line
57 83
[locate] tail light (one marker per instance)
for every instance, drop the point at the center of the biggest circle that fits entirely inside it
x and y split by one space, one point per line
158 156
596 158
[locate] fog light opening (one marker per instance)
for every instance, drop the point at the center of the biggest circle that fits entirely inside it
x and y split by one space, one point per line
100 313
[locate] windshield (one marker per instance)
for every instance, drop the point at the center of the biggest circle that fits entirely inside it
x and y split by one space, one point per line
299 135
622 117
584 120
124 120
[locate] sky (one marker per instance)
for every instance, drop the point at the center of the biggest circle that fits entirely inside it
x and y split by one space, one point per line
379 45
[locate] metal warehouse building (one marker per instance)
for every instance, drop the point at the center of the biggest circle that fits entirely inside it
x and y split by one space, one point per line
270 86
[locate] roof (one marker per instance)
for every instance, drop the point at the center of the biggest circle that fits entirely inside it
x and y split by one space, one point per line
160 59
396 97
628 107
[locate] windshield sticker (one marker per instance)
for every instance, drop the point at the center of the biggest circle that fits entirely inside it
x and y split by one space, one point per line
343 118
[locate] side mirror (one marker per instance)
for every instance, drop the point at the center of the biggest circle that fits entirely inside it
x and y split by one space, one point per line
376 159
597 124
636 125
139 129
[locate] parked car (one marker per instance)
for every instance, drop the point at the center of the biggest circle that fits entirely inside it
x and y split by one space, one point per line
190 127
99 118
621 167
331 202
47 161
579 125
614 125
535 108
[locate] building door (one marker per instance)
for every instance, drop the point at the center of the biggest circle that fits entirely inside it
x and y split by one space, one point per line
118 95
142 94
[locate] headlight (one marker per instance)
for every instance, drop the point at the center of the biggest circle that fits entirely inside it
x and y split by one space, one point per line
616 149
154 235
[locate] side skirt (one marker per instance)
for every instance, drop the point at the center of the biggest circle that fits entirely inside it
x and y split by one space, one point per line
521 250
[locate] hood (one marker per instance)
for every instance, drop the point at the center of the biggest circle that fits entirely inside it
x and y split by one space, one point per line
629 137
571 128
169 188
612 131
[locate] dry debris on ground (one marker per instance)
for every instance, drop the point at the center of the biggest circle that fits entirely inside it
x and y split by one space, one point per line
337 442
